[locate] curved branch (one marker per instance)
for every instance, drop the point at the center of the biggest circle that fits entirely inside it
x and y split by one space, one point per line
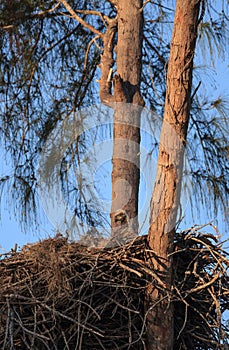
88 50
79 19
113 2
42 13
107 63
96 13
144 4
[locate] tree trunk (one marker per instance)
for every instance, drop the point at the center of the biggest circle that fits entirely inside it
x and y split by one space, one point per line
166 194
126 151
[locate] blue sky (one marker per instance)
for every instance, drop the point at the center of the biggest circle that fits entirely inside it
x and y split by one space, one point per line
11 233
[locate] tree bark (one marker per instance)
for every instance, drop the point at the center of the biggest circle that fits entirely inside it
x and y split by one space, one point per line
167 189
126 151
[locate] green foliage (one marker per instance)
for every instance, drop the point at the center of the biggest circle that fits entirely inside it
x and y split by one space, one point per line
44 79
208 146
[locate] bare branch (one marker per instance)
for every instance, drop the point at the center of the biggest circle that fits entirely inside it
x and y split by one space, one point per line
79 19
48 11
88 50
96 13
10 26
155 3
113 2
144 4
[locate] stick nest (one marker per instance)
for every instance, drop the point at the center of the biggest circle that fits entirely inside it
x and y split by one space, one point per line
60 295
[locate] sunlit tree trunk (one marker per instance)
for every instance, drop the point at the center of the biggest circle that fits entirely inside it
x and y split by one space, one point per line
126 152
166 194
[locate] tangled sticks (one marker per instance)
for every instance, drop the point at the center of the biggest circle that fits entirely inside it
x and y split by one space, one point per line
60 295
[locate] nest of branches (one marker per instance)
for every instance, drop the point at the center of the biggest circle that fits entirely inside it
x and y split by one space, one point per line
60 295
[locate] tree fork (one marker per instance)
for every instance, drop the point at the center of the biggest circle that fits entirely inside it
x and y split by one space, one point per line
167 189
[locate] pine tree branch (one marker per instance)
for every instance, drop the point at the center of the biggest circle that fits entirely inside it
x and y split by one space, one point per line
96 13
42 13
79 19
88 50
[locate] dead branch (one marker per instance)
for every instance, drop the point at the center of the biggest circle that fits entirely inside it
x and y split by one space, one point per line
60 295
88 50
96 13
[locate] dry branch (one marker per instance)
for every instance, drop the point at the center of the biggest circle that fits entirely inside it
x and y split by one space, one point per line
60 295
79 19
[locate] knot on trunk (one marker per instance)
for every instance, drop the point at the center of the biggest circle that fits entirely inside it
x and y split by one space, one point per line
119 94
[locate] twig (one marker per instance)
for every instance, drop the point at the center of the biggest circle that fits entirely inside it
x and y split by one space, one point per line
96 13
185 320
144 4
88 50
94 299
79 19
48 11
203 286
130 270
195 91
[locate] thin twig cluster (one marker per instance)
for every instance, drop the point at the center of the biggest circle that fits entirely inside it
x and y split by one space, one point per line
60 295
